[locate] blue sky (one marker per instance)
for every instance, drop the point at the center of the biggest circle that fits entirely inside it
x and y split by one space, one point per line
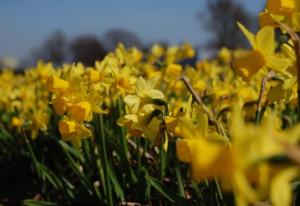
24 24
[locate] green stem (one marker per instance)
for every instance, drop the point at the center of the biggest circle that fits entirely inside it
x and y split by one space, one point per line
103 151
124 152
219 189
33 157
138 143
198 193
298 93
257 116
99 168
162 157
179 179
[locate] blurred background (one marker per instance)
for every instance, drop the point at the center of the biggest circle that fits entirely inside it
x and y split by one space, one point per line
76 30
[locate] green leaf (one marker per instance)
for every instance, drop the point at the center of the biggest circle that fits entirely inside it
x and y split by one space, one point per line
143 186
76 168
115 183
160 188
75 152
29 202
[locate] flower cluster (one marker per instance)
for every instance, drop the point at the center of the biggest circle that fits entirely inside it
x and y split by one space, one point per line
284 11
230 117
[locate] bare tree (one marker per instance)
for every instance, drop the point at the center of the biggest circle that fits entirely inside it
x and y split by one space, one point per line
220 21
87 49
115 36
54 49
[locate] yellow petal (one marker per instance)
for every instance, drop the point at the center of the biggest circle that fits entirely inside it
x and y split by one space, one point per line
248 34
265 40
265 19
281 191
243 188
174 70
237 122
153 82
133 102
157 50
151 131
154 94
296 20
210 159
247 65
60 105
278 64
184 150
81 111
281 7
288 51
141 86
202 124
55 84
289 83
84 132
277 93
16 122
66 127
187 129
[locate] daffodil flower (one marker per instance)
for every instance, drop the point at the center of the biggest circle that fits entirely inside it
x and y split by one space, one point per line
143 123
208 154
145 94
56 84
281 7
283 11
253 178
262 55
73 131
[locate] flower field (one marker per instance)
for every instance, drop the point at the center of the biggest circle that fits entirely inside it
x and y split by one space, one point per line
154 128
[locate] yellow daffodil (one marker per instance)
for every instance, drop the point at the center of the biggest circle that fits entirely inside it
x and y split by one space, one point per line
225 55
281 11
281 194
145 94
124 81
208 154
73 131
187 51
157 50
281 7
143 123
60 105
174 71
261 56
129 121
251 146
81 111
55 84
16 122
